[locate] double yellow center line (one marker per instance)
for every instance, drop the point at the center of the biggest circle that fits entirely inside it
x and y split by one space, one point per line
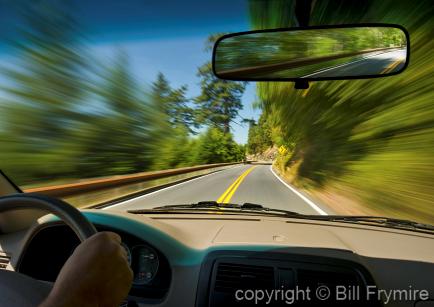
227 195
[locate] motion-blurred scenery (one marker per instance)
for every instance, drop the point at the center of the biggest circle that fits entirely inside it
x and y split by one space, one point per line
87 91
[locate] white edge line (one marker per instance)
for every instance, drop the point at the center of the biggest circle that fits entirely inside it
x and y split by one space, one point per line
164 189
307 200
345 64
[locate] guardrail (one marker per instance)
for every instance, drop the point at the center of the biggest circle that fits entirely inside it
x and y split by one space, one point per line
92 185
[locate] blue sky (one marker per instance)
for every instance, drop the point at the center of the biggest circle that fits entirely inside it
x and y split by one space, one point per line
160 36
178 60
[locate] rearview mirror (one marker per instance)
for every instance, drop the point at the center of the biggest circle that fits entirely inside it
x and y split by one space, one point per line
313 53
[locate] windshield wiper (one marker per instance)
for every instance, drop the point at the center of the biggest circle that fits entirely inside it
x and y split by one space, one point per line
255 208
201 205
377 220
212 205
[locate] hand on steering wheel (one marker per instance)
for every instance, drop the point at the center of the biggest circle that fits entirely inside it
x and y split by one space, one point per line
97 273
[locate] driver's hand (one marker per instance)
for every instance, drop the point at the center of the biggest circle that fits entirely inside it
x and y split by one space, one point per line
96 274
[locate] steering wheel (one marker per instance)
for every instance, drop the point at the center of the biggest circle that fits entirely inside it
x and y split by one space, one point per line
20 290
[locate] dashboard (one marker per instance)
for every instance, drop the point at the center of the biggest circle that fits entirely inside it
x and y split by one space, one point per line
200 259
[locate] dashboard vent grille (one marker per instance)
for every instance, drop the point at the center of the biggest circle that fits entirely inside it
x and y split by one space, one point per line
231 277
4 261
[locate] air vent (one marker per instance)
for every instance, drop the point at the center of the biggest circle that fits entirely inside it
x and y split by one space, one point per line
4 261
231 277
221 276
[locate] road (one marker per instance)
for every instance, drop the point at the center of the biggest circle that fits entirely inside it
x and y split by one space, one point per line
240 184
375 63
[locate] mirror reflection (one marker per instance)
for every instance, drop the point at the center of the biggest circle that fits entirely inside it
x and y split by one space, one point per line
312 53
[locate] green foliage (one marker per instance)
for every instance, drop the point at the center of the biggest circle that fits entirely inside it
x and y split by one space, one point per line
371 138
259 137
72 117
177 150
44 94
120 136
219 101
173 103
215 146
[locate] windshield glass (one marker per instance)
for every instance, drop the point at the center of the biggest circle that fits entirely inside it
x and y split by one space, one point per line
115 102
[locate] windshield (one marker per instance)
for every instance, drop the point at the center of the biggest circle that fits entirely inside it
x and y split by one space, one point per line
115 102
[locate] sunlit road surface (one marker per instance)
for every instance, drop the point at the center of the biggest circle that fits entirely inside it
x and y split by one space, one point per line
246 183
375 63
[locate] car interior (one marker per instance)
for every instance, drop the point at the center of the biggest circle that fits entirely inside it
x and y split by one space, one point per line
234 256
201 259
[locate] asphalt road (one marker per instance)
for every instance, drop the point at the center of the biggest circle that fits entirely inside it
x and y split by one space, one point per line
239 184
375 63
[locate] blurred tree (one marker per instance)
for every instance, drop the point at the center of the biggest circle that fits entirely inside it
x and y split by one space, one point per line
173 121
219 101
173 103
215 146
119 139
371 140
177 150
70 116
45 91
259 136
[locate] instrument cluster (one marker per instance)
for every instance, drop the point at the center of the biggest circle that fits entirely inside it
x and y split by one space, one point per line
144 262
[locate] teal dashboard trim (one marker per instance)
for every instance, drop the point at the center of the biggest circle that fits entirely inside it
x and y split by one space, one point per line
176 253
